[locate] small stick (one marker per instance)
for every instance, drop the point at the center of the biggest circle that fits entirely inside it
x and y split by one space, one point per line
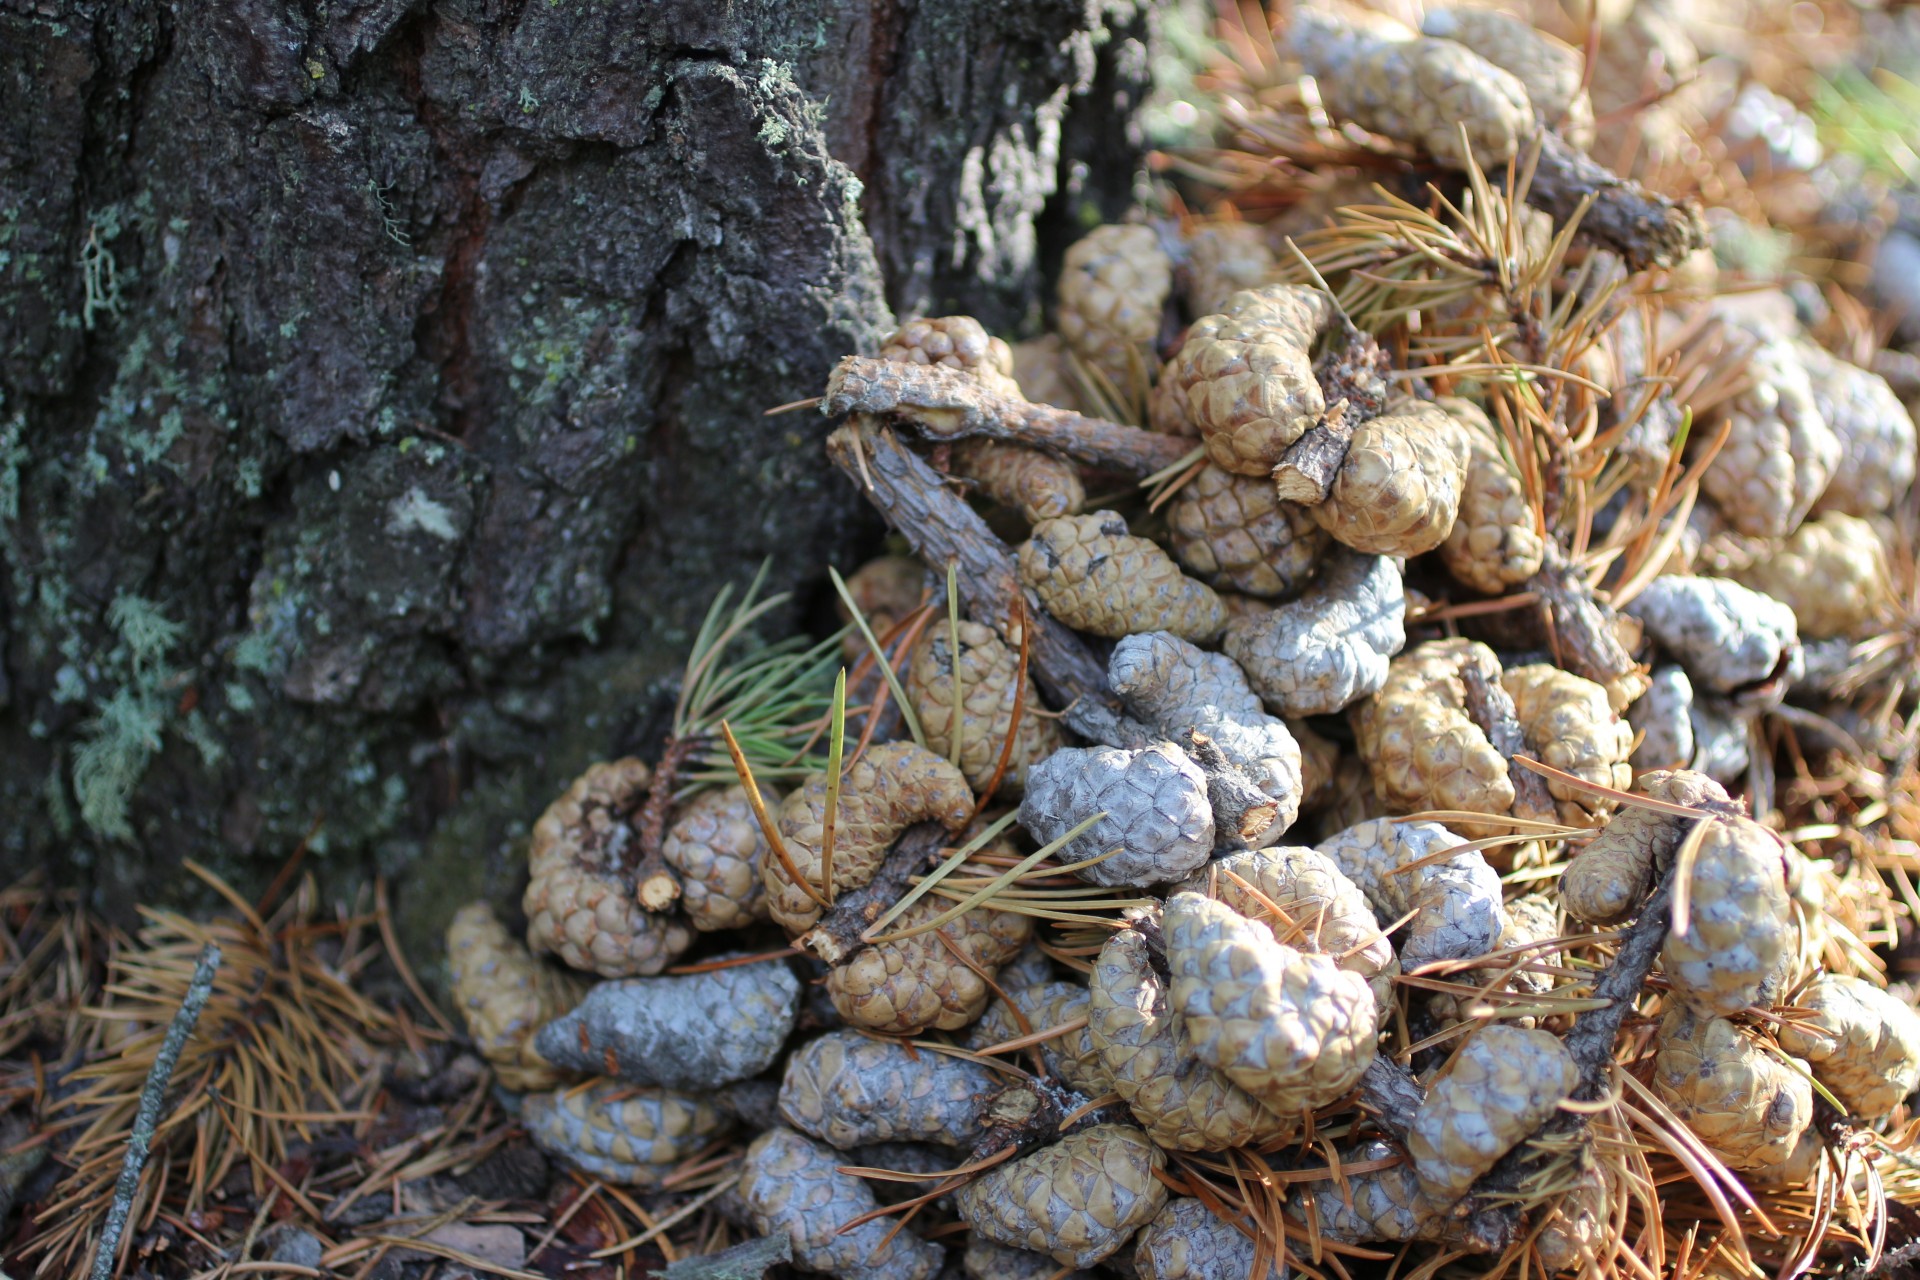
1645 229
1490 706
147 1118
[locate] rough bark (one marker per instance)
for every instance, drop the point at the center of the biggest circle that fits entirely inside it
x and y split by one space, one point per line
381 381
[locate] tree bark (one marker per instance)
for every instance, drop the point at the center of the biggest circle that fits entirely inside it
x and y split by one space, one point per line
381 381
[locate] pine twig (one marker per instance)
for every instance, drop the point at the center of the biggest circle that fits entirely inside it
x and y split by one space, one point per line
1490 706
147 1118
1646 229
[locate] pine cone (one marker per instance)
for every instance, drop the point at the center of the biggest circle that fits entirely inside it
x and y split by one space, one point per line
1113 286
1550 70
1398 491
1423 748
886 790
1072 1058
505 995
988 667
954 342
792 1184
1292 1029
1044 371
1875 430
1096 577
848 1089
621 1132
1493 546
985 1260
1780 454
1832 572
1378 74
1864 1043
1077 1201
1167 405
1382 1204
717 850
1501 1085
1247 371
1222 259
1643 56
1577 1228
1747 1105
1320 653
887 589
1740 928
1232 532
1729 639
1155 802
580 900
1188 1241
694 1031
1037 485
1569 723
1182 1102
1604 882
1458 898
915 983
1663 717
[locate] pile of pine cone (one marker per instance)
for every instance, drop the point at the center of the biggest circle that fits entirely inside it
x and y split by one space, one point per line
1407 746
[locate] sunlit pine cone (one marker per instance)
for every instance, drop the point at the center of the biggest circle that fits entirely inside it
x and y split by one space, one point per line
1663 717
624 1133
1320 653
1832 572
580 901
1113 287
1864 1043
1222 259
1043 370
1398 491
1569 724
1182 1102
505 995
1232 532
793 1185
1604 882
1749 1106
909 985
716 848
988 673
1876 434
1423 748
849 1089
1247 371
1740 926
1454 902
1780 453
1494 545
1188 1241
889 788
1550 70
1730 639
1501 1085
1077 1200
1095 576
1294 1030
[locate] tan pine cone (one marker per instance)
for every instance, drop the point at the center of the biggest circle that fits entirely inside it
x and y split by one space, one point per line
1493 546
1380 1204
1322 910
988 668
1294 1030
1749 1106
1832 572
1863 1042
716 848
887 789
954 342
1071 1057
1383 77
1182 1102
1113 286
908 986
1569 724
624 1133
1093 575
1319 765
1077 1201
1188 1241
1550 70
1424 750
1167 405
1037 485
1232 532
1780 453
1578 1226
1247 371
1043 370
1740 929
1398 491
887 589
1876 434
1604 882
1455 902
505 995
792 1185
580 900
848 1089
1222 259
1501 1085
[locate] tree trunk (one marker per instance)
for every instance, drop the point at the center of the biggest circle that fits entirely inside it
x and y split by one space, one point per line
381 380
